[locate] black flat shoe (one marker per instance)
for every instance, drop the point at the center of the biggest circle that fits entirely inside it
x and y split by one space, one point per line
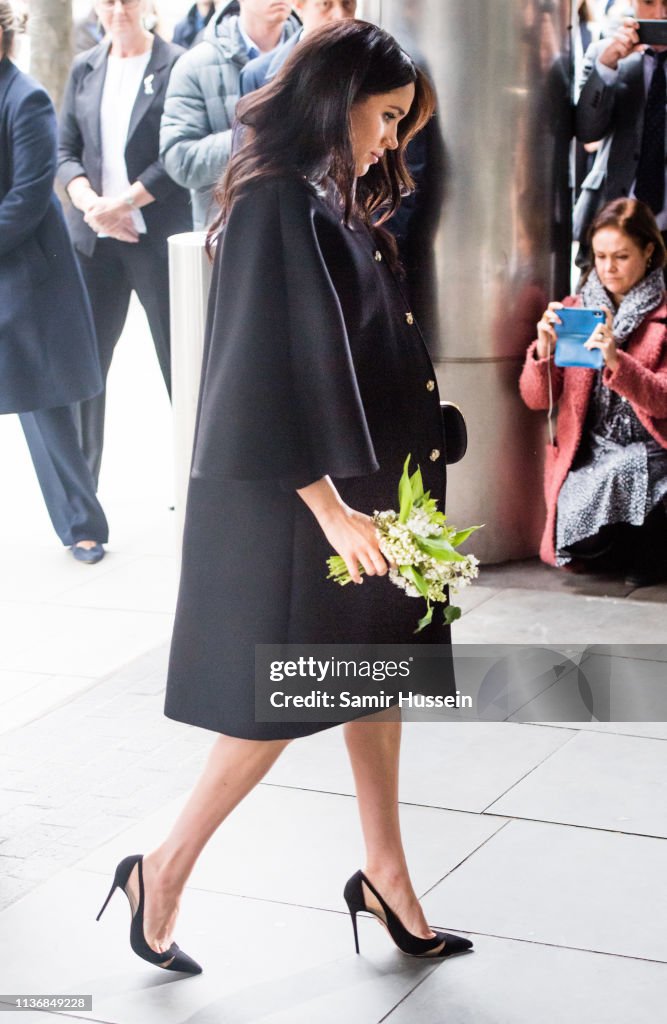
174 959
89 556
440 946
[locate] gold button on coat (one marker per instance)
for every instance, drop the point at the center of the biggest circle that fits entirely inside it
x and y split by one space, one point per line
409 318
378 256
430 385
435 455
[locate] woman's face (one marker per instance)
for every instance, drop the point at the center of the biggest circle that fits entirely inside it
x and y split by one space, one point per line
374 125
117 16
620 262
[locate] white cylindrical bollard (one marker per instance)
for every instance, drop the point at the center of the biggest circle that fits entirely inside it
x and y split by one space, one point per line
189 283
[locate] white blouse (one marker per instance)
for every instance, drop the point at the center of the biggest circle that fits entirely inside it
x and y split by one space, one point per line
124 78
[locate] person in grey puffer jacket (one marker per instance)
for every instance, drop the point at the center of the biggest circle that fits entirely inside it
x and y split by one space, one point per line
204 88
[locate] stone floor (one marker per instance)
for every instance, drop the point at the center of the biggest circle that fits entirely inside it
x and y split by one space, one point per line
542 841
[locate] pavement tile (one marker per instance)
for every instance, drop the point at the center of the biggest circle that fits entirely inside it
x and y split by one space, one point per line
597 781
531 574
32 840
517 616
95 830
46 1017
49 693
269 846
608 688
143 584
19 818
462 766
76 641
9 799
15 684
12 889
508 982
652 730
53 858
564 886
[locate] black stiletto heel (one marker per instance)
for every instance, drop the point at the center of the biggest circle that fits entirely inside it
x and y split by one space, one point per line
174 959
440 946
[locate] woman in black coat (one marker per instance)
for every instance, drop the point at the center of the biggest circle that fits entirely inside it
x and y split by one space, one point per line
125 205
316 385
48 355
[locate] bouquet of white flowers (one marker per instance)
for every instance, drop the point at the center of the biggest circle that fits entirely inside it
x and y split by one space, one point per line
421 549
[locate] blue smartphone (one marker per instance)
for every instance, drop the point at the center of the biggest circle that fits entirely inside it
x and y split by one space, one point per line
576 328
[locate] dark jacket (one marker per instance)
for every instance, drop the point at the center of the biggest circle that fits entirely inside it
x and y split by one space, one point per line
262 69
196 135
189 30
80 151
615 114
48 354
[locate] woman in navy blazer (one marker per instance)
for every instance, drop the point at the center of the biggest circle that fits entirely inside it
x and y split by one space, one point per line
48 354
125 205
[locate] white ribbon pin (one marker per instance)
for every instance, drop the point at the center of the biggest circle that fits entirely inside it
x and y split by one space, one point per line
148 85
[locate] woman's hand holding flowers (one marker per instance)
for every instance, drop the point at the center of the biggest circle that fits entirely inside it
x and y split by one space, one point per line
351 534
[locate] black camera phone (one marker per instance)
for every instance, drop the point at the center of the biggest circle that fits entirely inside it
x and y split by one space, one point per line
653 32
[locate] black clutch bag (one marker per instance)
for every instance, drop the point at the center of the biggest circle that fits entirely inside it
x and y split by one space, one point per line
455 431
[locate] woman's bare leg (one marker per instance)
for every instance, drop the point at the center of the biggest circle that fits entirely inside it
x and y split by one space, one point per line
374 747
234 767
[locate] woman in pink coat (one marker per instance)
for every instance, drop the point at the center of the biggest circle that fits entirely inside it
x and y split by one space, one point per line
606 472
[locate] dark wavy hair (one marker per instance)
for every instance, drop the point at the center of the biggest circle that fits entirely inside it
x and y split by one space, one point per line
636 220
300 122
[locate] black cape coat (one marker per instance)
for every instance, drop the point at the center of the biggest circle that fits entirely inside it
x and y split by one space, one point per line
313 366
48 351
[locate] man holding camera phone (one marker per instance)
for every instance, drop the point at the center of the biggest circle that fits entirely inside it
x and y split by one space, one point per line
622 104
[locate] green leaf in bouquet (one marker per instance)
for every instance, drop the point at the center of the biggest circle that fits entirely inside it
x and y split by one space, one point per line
462 535
429 505
439 548
417 485
405 499
426 619
415 578
452 613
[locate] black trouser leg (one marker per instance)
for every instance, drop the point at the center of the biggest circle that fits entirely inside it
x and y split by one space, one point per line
64 477
147 269
109 291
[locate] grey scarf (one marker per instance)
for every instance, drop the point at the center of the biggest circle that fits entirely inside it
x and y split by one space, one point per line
641 300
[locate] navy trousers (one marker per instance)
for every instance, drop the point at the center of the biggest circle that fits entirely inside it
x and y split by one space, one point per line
112 273
64 477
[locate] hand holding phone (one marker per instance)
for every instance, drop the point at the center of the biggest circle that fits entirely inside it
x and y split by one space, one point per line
546 334
652 32
577 327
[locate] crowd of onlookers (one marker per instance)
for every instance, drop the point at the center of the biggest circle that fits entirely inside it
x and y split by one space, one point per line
606 471
146 129
144 134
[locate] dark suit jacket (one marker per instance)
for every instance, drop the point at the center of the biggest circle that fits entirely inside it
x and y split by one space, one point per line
48 353
80 148
262 69
615 114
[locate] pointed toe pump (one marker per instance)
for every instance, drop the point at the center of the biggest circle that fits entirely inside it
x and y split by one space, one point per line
441 945
173 959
